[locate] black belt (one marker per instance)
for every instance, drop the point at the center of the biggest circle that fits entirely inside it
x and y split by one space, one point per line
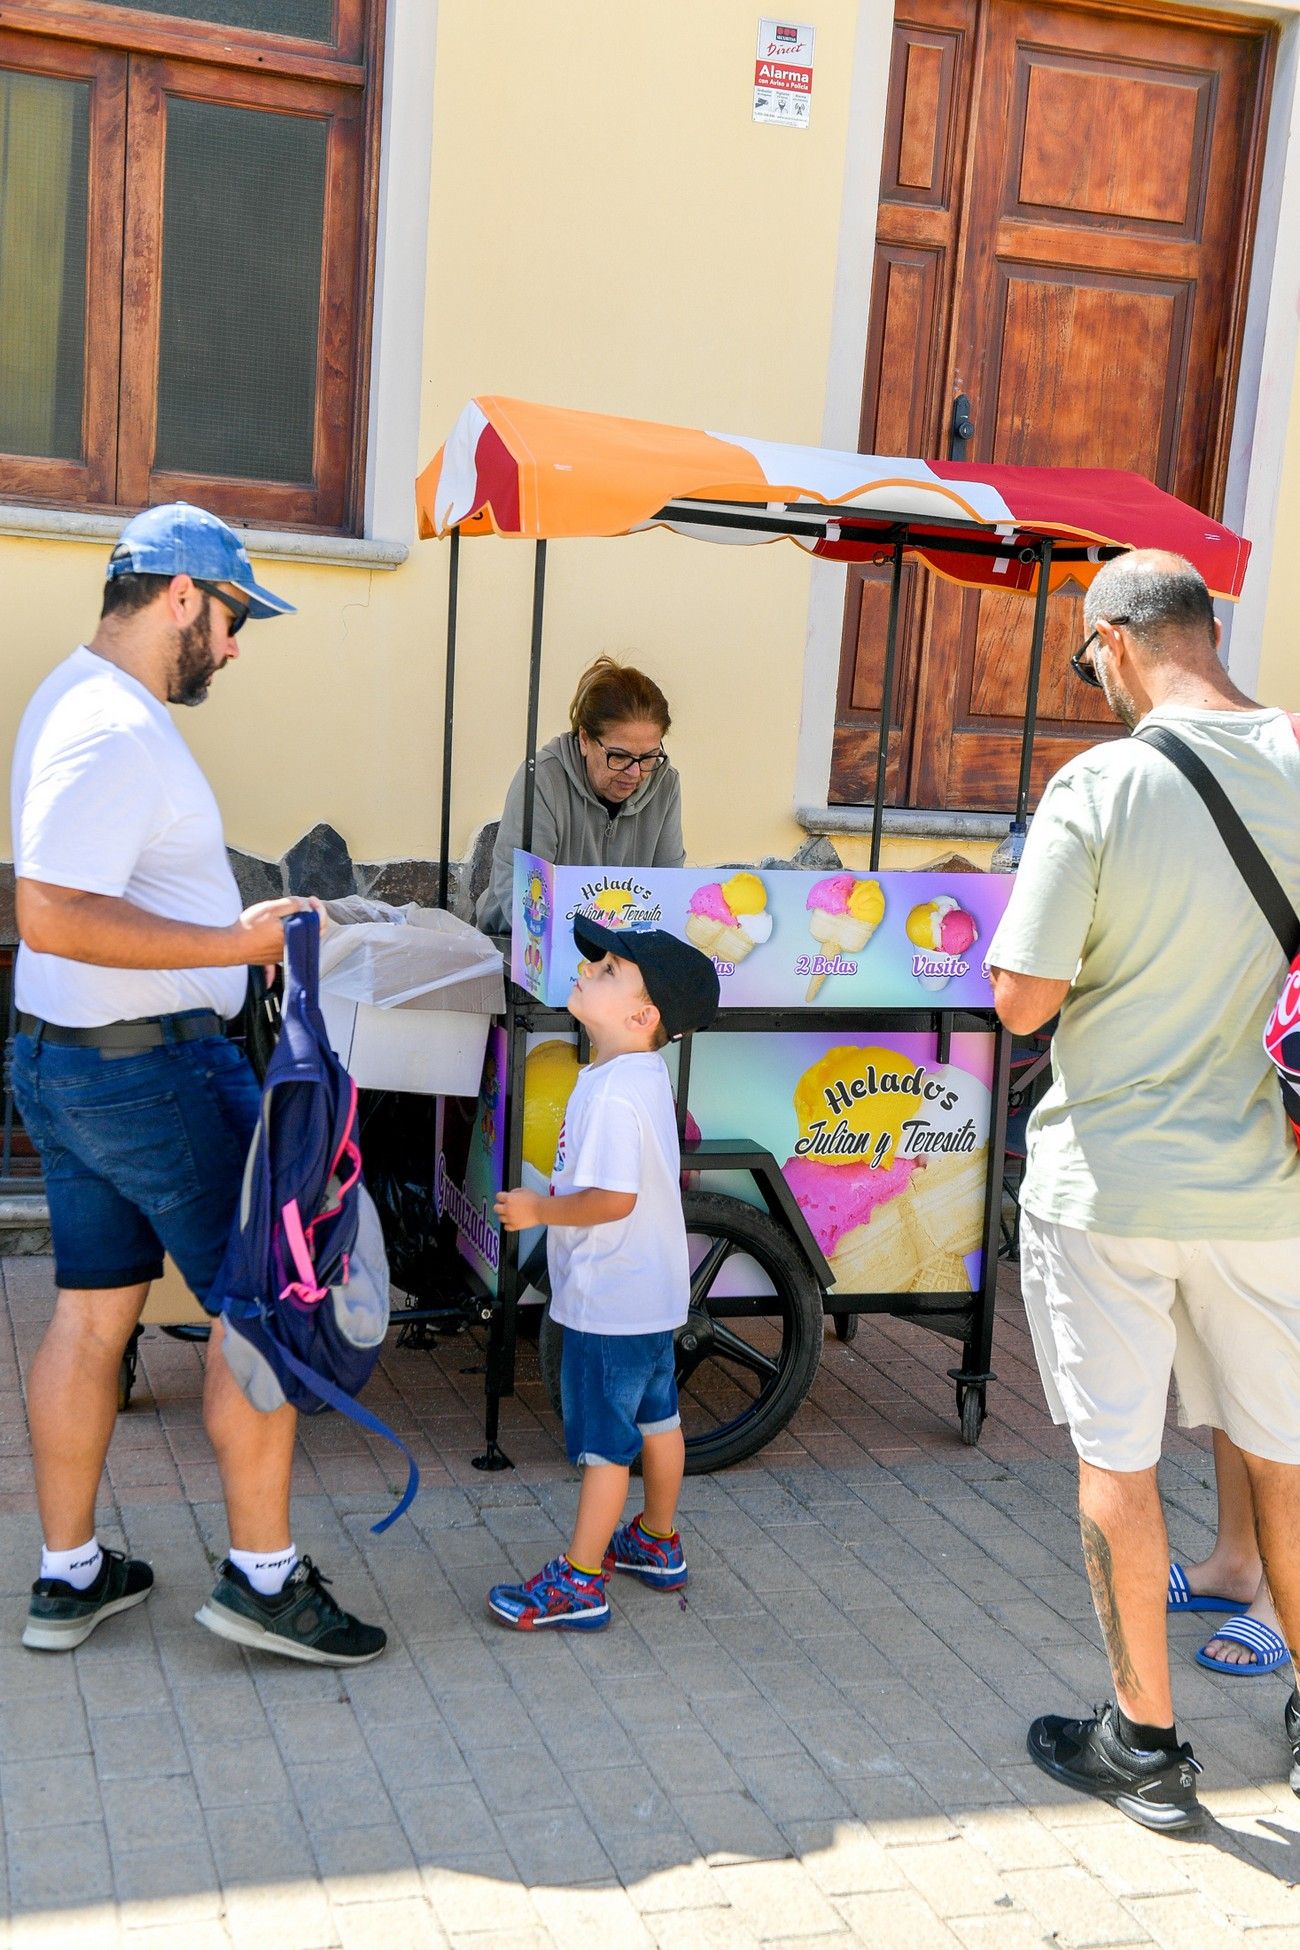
144 1032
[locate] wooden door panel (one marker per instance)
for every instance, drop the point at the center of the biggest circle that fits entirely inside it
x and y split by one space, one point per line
1125 151
1064 236
1087 370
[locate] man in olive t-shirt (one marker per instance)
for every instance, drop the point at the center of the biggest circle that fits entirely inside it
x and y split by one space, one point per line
1161 1200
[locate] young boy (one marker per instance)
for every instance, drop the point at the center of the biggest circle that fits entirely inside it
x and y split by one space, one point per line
620 1279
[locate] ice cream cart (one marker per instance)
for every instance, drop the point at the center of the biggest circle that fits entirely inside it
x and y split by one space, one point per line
843 1120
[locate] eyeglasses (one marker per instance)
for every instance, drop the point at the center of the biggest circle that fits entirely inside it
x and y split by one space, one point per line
621 761
1086 672
239 612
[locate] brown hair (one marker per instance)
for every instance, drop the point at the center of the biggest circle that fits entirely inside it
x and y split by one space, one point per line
613 693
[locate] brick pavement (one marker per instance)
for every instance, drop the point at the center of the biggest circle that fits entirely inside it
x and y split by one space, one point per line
823 1745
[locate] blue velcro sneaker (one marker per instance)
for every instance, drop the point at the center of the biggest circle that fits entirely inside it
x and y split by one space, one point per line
558 1596
657 1561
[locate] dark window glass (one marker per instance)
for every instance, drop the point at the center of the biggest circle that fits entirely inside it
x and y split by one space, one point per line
44 157
243 215
309 20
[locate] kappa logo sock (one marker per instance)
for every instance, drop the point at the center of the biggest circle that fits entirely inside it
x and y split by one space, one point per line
267 1571
79 1567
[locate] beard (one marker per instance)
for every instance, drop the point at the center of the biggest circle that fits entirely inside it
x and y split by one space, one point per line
1119 701
193 669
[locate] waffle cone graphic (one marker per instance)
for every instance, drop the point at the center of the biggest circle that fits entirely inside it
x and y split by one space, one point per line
842 934
948 1202
716 938
941 1273
881 1256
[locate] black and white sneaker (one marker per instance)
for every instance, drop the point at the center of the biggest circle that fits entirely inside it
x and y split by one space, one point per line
59 1616
1156 1787
300 1622
1291 1721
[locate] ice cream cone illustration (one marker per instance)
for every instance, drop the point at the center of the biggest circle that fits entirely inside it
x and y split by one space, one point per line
843 914
944 931
940 1273
728 919
847 1176
550 1072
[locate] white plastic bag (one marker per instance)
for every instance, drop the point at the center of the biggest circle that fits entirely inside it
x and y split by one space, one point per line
387 956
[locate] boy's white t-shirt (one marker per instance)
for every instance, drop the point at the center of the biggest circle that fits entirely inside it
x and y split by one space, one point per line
619 1134
107 798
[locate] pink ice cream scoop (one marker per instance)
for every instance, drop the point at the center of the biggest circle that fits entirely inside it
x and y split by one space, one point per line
836 1198
710 901
956 932
832 895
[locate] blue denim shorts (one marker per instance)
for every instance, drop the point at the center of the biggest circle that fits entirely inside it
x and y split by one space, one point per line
616 1390
143 1154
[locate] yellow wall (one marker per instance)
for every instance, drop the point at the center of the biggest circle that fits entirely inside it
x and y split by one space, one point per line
609 229
1279 669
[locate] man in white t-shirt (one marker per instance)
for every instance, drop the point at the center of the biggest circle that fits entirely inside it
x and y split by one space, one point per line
620 1275
1161 1201
134 954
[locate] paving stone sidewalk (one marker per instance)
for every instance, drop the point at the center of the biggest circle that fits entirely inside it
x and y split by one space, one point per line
824 1744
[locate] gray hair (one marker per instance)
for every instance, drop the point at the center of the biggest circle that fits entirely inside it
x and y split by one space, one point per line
1160 595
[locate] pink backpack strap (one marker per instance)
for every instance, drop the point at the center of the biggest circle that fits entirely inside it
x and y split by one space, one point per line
1295 724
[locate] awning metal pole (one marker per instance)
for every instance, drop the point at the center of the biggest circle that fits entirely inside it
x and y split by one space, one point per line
887 698
534 691
1031 695
449 712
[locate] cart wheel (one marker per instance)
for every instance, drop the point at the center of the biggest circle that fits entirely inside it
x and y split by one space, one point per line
971 1410
846 1326
126 1373
753 1338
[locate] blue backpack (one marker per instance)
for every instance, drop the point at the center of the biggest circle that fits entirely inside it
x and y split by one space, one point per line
303 1288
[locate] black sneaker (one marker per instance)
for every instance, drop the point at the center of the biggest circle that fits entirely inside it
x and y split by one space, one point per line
60 1616
300 1622
1291 1721
1156 1787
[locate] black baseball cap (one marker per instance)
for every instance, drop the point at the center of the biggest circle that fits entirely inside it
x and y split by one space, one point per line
680 981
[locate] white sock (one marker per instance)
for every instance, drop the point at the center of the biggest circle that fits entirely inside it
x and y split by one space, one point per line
78 1568
266 1571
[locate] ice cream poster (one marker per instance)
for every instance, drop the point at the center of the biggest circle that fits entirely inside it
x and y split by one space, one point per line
885 1148
842 940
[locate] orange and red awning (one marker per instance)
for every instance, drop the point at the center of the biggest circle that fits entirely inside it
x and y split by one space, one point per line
511 467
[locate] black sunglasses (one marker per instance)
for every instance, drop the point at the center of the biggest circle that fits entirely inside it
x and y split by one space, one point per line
1087 672
239 612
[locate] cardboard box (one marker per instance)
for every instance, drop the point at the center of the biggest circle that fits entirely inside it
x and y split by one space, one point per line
434 1051
407 995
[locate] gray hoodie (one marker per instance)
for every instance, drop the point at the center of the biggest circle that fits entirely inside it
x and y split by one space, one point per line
572 826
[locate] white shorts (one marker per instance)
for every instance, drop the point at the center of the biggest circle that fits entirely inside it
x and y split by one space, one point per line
1111 1318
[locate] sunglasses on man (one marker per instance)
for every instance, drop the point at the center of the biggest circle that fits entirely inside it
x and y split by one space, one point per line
239 612
1082 664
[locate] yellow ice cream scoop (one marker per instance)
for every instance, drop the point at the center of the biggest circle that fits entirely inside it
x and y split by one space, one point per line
613 901
867 902
550 1072
744 893
853 1093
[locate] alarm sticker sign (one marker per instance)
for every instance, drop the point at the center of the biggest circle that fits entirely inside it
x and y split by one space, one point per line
783 73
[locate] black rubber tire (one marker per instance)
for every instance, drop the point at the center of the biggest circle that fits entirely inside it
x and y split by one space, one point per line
846 1326
788 1371
970 1409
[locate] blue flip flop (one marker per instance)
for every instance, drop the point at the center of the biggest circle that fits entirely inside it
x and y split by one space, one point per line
1268 1646
1183 1598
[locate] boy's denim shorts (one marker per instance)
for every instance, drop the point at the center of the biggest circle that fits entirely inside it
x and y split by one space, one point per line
143 1154
616 1389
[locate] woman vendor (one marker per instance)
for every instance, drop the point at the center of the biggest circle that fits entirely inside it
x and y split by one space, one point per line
605 793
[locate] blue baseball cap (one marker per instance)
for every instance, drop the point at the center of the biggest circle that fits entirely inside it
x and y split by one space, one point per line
178 539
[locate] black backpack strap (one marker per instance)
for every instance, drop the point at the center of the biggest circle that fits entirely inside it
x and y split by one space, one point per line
1249 861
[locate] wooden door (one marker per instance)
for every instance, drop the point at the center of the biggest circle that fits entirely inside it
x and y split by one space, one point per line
1067 207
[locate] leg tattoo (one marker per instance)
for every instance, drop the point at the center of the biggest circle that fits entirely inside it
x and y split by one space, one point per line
1101 1577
